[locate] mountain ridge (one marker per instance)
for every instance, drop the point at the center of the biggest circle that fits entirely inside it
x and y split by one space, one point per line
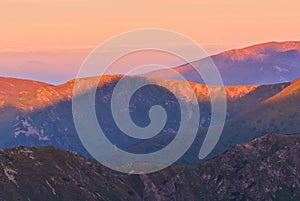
55 174
44 116
10 86
266 63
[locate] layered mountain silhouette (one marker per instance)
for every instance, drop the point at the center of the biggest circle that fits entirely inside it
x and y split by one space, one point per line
49 161
266 168
267 63
43 115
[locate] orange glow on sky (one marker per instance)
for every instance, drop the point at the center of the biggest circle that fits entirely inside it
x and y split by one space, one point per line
45 31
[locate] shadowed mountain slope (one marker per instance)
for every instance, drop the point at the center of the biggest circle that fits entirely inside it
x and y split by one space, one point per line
43 116
266 168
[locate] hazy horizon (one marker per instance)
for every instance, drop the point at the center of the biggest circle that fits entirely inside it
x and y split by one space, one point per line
48 40
52 74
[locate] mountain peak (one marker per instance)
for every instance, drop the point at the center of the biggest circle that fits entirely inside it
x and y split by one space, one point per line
265 63
260 51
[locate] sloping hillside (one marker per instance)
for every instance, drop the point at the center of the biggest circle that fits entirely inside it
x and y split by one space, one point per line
279 113
43 116
266 63
266 168
10 86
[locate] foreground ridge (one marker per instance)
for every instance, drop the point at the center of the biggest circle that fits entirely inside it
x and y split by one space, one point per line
267 168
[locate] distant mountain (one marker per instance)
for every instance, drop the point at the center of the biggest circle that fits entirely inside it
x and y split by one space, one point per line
266 168
43 116
267 63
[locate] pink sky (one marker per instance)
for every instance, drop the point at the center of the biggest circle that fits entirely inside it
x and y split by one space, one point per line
47 40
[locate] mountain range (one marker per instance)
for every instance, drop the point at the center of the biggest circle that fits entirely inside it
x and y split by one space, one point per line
43 116
268 108
266 63
42 157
